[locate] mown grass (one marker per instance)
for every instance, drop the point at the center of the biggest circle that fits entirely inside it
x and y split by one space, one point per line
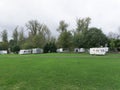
60 72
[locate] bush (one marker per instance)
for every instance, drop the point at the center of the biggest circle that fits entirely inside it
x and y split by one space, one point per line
50 47
16 49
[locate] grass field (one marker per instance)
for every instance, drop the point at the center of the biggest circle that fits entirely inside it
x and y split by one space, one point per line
60 72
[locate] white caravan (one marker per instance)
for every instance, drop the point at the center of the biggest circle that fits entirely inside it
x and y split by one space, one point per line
29 51
37 50
98 51
3 52
61 50
79 50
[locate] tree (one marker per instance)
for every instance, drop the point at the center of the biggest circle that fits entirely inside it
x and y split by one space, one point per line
79 40
16 49
34 26
13 46
65 37
39 33
4 43
27 45
38 40
65 40
81 31
21 36
112 44
50 47
95 38
46 48
15 35
114 41
45 32
112 35
14 43
62 26
4 36
83 24
117 44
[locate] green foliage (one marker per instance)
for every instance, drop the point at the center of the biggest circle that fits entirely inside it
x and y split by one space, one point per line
65 37
114 41
4 36
95 38
22 38
79 40
80 32
39 40
83 24
112 44
15 35
38 35
15 49
46 48
34 26
50 47
4 46
62 26
65 40
118 44
11 43
27 45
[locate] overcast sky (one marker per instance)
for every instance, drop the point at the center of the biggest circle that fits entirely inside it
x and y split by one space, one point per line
105 14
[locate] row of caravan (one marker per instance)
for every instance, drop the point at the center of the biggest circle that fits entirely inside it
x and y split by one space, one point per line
39 50
92 51
76 50
31 51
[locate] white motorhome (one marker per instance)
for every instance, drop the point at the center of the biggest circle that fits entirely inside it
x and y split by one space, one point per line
3 51
98 51
29 51
37 50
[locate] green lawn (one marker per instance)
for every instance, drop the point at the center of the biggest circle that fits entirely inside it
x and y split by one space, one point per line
60 72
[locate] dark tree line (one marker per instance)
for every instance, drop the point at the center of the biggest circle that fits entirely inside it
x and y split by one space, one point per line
39 36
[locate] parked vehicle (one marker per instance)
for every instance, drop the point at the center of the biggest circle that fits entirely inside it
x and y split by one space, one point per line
98 51
27 51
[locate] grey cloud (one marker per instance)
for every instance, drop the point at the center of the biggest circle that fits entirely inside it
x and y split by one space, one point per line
104 13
